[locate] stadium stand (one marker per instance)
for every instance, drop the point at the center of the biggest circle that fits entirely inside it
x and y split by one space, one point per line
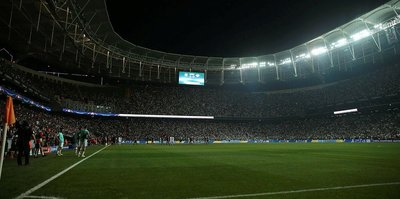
287 115
381 125
295 94
365 90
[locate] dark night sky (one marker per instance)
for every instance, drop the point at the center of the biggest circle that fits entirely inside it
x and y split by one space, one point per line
230 28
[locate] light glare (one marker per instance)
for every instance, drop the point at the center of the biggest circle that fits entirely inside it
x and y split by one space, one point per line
286 61
302 56
339 43
360 35
249 65
318 51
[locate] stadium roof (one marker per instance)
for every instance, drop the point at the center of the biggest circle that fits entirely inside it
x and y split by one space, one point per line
83 33
100 28
227 28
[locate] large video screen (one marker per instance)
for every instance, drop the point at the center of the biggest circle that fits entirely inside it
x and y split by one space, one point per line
191 78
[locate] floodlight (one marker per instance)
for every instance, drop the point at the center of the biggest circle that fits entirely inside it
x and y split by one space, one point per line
286 61
378 26
319 50
270 64
360 35
388 24
249 65
302 56
339 43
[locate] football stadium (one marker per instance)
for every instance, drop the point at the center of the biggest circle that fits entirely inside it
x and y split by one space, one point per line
89 112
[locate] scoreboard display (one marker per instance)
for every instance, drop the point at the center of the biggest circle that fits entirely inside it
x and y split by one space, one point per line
191 78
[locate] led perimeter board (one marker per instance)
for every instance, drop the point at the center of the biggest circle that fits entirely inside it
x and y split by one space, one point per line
191 78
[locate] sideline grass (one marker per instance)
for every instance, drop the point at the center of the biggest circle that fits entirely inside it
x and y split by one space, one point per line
187 171
18 179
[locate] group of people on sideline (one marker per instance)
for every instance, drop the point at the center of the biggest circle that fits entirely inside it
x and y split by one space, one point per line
26 140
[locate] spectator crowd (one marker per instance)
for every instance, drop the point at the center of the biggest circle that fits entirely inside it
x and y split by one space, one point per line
382 125
178 100
183 100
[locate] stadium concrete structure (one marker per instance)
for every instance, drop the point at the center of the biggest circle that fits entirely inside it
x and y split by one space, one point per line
79 35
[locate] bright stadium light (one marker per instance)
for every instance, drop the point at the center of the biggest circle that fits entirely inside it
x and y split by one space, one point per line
318 51
249 65
339 43
270 64
302 56
388 24
378 26
360 35
263 64
286 61
166 116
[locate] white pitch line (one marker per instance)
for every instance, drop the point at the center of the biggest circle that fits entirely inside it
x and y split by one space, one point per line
23 195
42 197
298 191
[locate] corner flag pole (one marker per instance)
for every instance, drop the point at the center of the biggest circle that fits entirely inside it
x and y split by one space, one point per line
9 119
3 147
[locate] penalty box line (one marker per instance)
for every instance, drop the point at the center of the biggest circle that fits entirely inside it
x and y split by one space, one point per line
33 189
298 191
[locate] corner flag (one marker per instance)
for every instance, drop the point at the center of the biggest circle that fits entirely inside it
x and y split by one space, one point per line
9 119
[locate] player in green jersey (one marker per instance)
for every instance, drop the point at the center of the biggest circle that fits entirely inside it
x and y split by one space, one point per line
60 138
83 141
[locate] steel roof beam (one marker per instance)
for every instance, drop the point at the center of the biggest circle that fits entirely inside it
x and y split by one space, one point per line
293 63
329 52
80 12
10 21
377 42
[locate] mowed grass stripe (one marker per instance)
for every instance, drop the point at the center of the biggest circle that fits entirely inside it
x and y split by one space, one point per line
17 179
33 189
189 171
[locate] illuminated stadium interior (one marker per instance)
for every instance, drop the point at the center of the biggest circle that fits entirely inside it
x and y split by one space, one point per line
317 120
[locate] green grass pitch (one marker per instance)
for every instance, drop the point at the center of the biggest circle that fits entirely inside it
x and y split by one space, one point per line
190 171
